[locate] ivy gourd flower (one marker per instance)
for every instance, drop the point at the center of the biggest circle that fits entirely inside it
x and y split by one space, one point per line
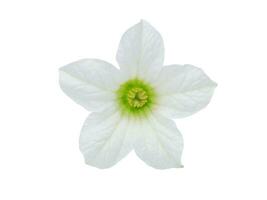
132 108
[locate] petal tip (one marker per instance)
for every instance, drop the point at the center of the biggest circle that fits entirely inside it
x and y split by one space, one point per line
143 21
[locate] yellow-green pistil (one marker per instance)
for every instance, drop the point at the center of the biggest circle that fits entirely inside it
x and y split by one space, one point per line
135 97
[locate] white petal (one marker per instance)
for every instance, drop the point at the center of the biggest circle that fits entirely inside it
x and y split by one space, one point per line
90 83
183 90
105 138
141 51
159 143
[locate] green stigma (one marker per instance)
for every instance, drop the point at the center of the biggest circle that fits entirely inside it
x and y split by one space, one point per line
135 97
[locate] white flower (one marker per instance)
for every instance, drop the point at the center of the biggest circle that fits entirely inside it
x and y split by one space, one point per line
131 107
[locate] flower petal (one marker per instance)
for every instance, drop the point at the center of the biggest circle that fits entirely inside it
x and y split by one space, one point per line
90 83
141 51
159 143
183 90
105 138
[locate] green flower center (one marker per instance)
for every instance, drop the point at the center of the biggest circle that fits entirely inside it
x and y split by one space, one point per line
135 97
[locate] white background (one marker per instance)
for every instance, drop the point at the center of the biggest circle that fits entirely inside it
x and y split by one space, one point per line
225 144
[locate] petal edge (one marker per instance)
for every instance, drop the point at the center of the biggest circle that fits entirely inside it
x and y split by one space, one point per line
89 82
105 139
187 90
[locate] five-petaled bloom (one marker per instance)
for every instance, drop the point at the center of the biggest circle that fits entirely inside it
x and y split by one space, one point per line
132 107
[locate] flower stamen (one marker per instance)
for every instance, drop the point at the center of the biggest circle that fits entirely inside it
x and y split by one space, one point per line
137 97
